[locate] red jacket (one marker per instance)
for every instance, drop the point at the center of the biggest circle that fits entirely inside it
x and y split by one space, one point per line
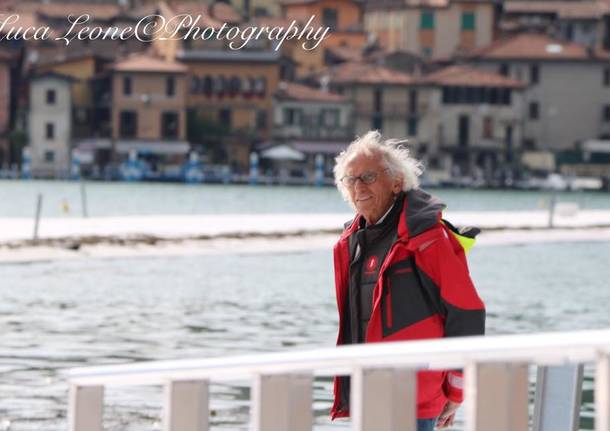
423 291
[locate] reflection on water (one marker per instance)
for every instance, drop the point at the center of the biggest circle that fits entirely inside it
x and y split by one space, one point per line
56 315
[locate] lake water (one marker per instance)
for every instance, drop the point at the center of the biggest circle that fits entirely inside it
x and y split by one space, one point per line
18 199
61 314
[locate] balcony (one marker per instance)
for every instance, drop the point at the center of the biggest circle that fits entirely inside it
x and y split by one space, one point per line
395 110
313 133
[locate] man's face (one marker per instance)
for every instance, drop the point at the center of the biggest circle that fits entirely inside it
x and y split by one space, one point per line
372 200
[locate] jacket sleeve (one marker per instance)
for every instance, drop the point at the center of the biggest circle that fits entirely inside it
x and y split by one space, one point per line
442 259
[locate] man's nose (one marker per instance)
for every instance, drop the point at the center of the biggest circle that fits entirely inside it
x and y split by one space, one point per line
359 184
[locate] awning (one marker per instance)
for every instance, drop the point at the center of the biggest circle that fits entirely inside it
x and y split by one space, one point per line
596 146
152 147
126 146
282 152
320 147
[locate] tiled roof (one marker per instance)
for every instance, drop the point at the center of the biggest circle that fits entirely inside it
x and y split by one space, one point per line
194 9
272 21
530 46
419 4
464 76
147 63
25 19
346 53
95 10
294 91
224 12
563 9
363 73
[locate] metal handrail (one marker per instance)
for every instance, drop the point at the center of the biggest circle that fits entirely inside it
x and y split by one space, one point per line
496 380
541 348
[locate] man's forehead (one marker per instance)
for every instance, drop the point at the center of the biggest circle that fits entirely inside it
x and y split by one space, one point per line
364 162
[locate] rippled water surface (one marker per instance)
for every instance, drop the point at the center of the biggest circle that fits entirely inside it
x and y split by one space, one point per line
56 315
116 199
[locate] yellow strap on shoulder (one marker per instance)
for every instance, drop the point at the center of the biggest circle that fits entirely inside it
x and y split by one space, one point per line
467 242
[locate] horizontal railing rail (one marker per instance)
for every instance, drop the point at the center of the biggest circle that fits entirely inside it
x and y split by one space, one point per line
383 375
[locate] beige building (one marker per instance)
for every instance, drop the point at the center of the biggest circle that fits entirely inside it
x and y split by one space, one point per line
312 122
431 28
473 124
383 99
50 125
149 108
567 101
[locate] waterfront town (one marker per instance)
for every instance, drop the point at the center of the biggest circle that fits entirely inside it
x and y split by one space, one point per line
491 93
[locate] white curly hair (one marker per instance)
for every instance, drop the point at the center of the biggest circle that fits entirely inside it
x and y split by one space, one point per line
393 154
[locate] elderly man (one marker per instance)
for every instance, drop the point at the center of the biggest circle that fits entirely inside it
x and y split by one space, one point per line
400 271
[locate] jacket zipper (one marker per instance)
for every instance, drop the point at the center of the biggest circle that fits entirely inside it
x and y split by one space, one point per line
388 313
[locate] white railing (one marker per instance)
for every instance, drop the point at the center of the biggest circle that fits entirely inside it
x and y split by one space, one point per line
383 382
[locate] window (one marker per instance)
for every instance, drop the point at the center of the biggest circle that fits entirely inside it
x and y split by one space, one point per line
261 119
606 77
224 117
128 124
292 116
447 95
330 117
412 126
487 128
234 86
534 74
412 101
196 84
468 21
534 111
51 97
170 86
504 69
529 144
208 85
377 123
49 156
426 52
377 100
329 18
506 96
169 125
127 86
50 131
426 21
606 113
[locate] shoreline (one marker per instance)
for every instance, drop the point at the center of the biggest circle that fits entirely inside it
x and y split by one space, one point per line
114 247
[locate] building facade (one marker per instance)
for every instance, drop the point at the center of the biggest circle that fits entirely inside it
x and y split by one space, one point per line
149 111
474 122
568 93
317 124
431 29
344 18
231 93
50 125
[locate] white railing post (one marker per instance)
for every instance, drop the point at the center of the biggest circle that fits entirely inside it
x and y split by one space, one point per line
558 398
86 408
186 406
383 400
496 396
602 393
282 402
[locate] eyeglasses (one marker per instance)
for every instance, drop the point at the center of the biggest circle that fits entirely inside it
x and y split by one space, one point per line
366 178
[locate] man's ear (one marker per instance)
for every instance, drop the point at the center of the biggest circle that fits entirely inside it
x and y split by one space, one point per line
397 187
